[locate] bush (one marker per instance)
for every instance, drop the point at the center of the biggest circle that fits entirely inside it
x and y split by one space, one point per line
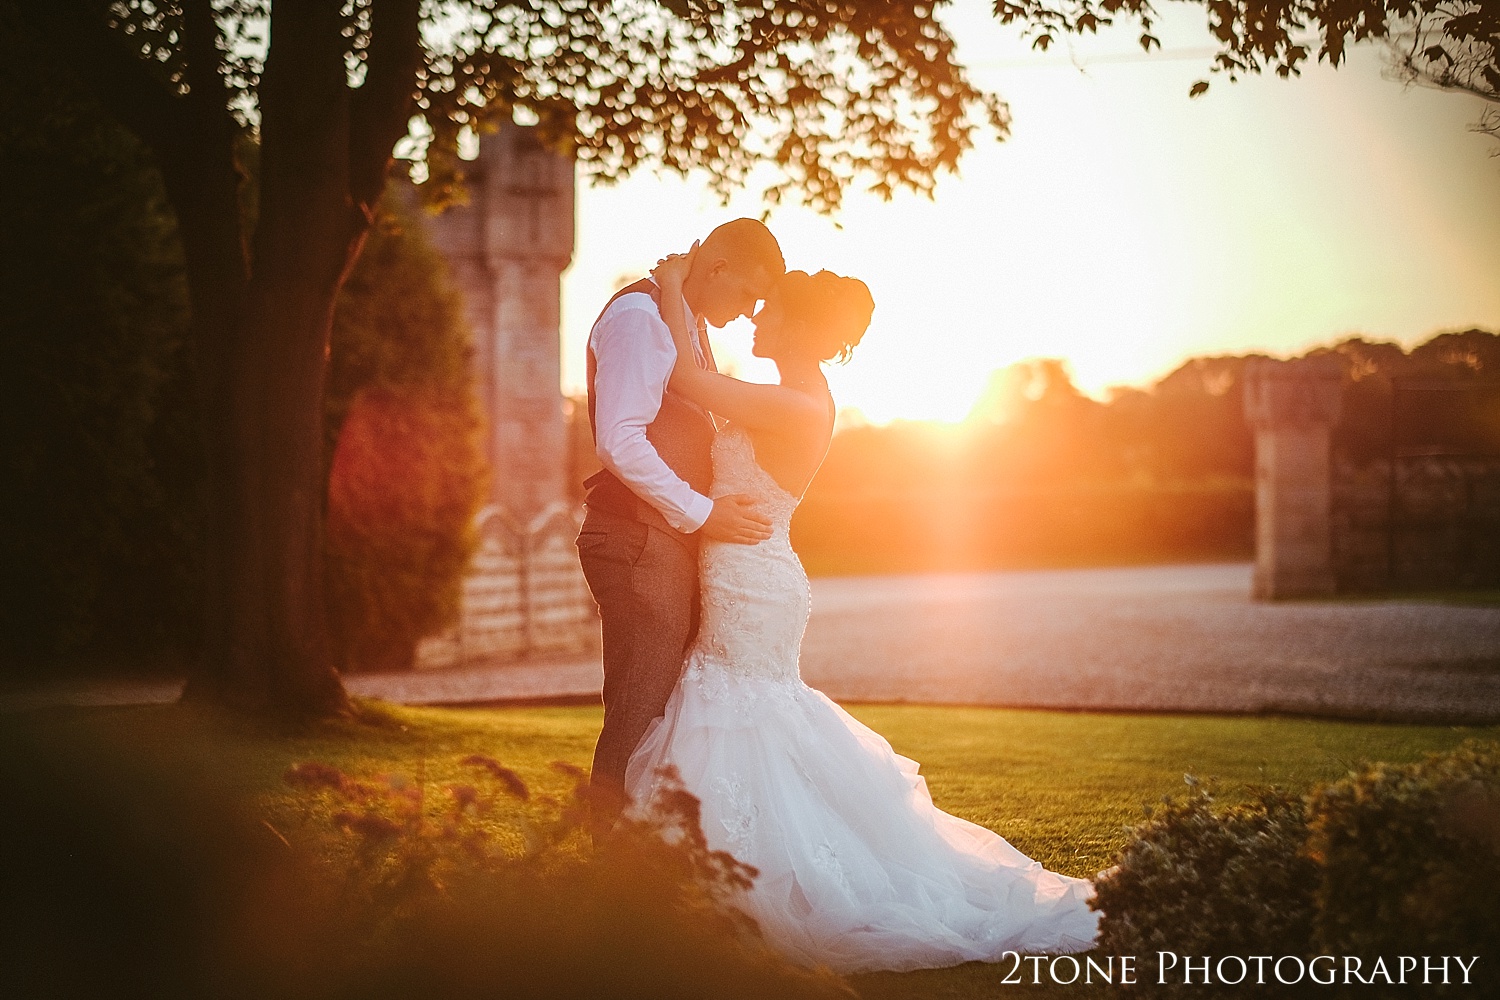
440 907
1410 857
401 503
1390 861
406 466
1199 880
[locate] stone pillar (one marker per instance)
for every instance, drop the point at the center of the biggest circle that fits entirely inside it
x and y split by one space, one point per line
508 248
1292 407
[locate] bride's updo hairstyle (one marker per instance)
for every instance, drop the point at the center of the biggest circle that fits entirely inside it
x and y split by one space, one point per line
824 314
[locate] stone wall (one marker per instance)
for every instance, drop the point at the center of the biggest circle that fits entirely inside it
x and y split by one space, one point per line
524 594
1424 516
1292 406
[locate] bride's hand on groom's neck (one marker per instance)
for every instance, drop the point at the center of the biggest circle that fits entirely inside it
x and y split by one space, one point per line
672 270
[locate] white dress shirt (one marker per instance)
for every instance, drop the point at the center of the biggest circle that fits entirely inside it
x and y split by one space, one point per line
633 356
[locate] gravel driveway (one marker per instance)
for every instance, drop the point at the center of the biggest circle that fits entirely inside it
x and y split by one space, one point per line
1173 638
1180 638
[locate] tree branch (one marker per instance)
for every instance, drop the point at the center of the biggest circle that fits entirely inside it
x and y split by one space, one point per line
381 107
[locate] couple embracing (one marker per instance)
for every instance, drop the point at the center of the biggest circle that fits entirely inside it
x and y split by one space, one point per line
703 603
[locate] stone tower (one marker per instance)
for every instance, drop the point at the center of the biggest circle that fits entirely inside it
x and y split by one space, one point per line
507 249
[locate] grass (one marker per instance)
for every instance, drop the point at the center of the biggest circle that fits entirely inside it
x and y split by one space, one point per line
1061 786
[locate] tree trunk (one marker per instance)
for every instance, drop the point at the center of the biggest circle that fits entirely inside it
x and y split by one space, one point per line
262 315
203 182
308 235
278 656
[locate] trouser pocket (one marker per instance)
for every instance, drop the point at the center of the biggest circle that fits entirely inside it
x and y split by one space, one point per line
608 547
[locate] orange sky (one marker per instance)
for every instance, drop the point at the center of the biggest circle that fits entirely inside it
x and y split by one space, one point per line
1122 227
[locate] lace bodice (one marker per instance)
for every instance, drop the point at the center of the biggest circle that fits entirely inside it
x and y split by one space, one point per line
755 598
737 471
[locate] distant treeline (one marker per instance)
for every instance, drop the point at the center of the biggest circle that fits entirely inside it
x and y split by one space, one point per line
1042 475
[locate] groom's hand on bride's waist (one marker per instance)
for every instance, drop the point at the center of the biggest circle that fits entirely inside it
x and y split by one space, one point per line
734 519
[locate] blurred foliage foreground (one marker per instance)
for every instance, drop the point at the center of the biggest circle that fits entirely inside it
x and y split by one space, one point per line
385 886
172 852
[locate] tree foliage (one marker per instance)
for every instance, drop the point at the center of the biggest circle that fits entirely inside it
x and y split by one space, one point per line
1372 371
1450 44
403 443
822 91
97 442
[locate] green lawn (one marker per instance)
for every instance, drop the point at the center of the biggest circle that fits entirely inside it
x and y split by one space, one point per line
1061 786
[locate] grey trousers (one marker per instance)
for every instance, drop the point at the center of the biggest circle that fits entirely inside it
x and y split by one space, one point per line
645 581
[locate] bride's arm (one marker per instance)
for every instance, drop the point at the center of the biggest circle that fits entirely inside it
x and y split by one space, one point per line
751 404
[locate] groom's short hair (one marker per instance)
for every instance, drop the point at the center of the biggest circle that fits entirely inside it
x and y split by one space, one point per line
746 244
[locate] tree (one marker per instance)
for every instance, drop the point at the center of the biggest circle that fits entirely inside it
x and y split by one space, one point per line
1449 44
822 91
1452 46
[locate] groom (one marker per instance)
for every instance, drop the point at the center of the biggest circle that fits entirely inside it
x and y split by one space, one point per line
648 507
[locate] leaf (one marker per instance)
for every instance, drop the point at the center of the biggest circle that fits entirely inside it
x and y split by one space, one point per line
1198 89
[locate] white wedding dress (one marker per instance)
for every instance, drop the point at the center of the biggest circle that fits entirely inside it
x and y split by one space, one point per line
858 870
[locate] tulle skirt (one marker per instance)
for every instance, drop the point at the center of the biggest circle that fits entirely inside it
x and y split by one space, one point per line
858 870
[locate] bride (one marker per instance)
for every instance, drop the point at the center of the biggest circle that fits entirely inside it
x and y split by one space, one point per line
857 869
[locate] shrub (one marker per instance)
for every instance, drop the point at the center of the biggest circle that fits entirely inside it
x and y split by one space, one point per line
1389 861
1410 858
406 469
1200 880
439 906
401 500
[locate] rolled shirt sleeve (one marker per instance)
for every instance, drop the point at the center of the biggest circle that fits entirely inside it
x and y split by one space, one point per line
634 355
